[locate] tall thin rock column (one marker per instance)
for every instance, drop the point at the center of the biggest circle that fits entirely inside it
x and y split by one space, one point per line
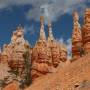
42 32
76 37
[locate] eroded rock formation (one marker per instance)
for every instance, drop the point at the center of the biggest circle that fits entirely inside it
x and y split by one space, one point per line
45 55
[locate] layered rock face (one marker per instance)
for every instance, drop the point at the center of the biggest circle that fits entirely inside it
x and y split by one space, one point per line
76 37
15 50
86 31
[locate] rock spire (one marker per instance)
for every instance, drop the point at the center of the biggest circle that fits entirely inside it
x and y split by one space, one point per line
76 37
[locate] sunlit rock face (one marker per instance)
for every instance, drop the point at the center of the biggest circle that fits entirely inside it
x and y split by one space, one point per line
86 31
76 37
13 52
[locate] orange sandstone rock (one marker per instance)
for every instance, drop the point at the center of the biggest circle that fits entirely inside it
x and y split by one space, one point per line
12 86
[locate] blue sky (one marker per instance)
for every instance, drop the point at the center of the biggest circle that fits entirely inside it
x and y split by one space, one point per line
27 13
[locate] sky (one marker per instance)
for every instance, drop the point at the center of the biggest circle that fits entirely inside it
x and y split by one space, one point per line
28 12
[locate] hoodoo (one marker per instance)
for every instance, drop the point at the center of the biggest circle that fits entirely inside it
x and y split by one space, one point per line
76 37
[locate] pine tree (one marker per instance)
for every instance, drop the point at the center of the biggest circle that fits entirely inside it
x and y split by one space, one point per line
26 74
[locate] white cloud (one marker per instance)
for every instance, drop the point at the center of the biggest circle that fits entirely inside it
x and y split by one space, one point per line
49 8
29 30
61 40
68 44
54 9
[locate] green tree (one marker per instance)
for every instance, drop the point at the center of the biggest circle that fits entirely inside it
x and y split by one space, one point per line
80 49
2 84
26 74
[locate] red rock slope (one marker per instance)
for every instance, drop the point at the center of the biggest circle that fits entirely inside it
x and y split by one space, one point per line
69 76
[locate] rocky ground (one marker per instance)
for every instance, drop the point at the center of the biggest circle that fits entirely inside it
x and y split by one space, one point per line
68 76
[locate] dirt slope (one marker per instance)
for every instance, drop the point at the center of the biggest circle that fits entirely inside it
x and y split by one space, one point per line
69 76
